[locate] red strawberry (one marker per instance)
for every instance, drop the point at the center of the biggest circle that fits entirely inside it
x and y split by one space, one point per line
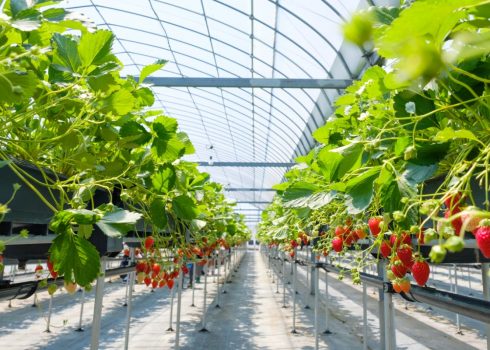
140 266
340 231
404 253
185 269
161 284
154 284
398 269
291 254
420 272
147 281
170 283
149 241
456 223
385 248
156 269
360 233
398 239
337 244
453 201
482 235
373 224
53 273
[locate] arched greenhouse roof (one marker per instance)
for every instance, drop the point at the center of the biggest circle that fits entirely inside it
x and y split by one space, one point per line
245 137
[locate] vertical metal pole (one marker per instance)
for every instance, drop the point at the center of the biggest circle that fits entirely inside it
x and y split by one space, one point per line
317 311
327 311
99 295
179 302
219 289
172 292
50 310
126 295
284 282
389 318
469 278
82 303
381 313
485 269
364 317
204 306
129 301
312 270
194 279
295 271
458 321
277 279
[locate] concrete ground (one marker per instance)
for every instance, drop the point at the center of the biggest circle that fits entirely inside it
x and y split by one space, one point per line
250 316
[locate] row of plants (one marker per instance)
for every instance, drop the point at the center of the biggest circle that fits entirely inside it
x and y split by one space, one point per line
404 159
66 110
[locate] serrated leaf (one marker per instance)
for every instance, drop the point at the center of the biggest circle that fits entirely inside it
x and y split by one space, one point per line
94 47
17 86
360 190
133 134
184 207
66 53
164 180
120 102
298 190
151 68
415 174
158 213
75 258
450 134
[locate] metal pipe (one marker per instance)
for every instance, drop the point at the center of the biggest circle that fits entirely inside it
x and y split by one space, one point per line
381 307
485 269
50 310
131 279
364 317
316 272
99 295
327 311
389 317
295 271
284 282
458 321
172 292
82 303
219 289
194 279
179 303
203 328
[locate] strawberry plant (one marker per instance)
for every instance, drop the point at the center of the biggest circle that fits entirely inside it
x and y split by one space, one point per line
405 151
66 110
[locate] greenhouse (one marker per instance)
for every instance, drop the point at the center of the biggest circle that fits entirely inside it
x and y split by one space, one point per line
231 174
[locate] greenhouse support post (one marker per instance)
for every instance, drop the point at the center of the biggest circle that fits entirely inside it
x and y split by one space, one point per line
485 270
82 303
193 281
312 271
179 303
295 271
389 318
381 314
129 302
50 310
327 311
219 289
99 295
203 327
277 278
172 292
284 281
458 321
316 279
364 313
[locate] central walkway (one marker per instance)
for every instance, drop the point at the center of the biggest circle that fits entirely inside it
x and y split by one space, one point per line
251 315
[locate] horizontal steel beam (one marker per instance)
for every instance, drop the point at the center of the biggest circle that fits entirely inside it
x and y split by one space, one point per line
249 83
247 164
239 189
253 202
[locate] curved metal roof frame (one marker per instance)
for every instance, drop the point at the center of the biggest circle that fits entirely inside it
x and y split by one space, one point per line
286 39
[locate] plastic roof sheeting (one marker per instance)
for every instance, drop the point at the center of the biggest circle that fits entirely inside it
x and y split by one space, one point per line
229 39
